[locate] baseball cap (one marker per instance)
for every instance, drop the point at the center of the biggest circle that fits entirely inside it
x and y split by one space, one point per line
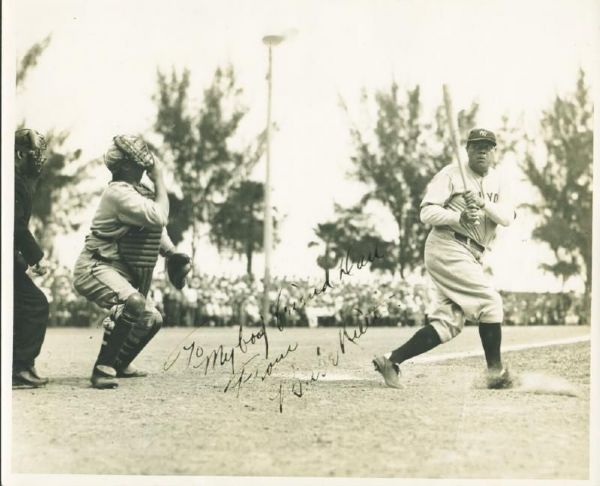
477 134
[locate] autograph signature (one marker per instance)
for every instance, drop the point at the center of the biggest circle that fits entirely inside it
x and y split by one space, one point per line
346 267
236 380
196 356
298 386
244 367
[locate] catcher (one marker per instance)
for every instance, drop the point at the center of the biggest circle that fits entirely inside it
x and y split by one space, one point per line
115 268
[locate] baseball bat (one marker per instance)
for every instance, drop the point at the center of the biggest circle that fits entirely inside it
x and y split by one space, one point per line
454 136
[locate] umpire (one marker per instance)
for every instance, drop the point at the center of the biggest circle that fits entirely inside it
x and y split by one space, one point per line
30 303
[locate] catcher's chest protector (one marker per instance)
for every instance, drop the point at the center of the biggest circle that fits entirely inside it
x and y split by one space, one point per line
139 248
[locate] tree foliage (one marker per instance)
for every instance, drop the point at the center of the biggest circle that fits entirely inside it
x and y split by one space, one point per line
180 214
351 235
237 224
563 179
59 196
198 144
30 60
398 159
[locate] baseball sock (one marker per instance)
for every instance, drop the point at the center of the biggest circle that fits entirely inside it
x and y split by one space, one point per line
491 338
423 340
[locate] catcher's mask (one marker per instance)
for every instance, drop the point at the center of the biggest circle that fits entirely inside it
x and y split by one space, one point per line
32 145
128 148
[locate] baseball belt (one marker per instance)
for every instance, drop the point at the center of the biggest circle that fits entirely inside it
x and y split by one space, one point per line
469 241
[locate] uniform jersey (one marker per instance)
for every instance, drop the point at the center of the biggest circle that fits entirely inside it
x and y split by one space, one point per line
446 189
120 208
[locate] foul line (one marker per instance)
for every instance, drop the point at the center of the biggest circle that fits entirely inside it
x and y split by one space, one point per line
514 347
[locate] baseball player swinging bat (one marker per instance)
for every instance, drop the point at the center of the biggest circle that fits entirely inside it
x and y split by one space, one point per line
455 198
454 137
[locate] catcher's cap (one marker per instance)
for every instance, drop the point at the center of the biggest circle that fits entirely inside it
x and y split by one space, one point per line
477 134
28 139
128 147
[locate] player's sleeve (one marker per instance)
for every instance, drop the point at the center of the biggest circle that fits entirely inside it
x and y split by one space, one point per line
503 211
437 194
166 245
439 190
435 215
134 209
24 242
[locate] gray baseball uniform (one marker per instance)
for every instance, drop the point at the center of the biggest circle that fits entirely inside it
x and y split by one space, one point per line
453 251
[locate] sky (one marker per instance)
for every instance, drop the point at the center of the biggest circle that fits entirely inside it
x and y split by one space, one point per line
98 76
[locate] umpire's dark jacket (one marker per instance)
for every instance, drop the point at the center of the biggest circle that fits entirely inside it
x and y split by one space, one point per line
26 247
30 303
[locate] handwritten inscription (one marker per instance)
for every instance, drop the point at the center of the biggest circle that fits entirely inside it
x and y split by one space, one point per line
241 377
298 387
346 267
196 357
247 365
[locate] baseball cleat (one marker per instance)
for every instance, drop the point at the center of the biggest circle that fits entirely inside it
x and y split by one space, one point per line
499 379
389 370
131 372
104 377
26 379
34 372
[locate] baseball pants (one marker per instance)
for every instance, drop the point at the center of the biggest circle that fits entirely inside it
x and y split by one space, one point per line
107 284
463 289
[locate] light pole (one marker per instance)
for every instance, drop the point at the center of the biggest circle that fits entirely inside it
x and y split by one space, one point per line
270 41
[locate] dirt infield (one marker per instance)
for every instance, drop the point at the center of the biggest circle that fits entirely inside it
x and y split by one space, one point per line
307 417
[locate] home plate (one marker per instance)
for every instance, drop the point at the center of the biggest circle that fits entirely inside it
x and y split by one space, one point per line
321 376
337 377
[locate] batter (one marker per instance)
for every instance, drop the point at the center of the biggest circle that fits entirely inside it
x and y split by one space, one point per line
464 221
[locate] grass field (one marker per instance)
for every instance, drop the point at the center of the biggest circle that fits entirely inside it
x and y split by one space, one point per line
341 422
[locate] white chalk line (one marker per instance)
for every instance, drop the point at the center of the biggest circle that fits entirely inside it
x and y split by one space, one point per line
335 376
505 349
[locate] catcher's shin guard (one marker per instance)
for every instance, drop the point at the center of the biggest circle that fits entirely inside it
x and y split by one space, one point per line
139 336
115 338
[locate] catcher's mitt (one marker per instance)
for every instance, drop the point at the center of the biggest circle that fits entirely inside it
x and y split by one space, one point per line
178 266
136 149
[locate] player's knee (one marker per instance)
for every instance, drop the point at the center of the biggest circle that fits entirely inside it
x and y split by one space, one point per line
492 310
155 321
135 305
152 320
454 331
158 320
445 330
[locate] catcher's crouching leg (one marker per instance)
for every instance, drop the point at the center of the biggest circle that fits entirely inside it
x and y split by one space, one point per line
104 374
138 338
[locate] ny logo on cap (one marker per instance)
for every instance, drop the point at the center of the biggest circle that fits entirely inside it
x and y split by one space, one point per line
483 133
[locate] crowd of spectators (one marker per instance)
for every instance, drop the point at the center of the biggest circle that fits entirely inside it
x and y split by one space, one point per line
218 301
223 301
546 309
